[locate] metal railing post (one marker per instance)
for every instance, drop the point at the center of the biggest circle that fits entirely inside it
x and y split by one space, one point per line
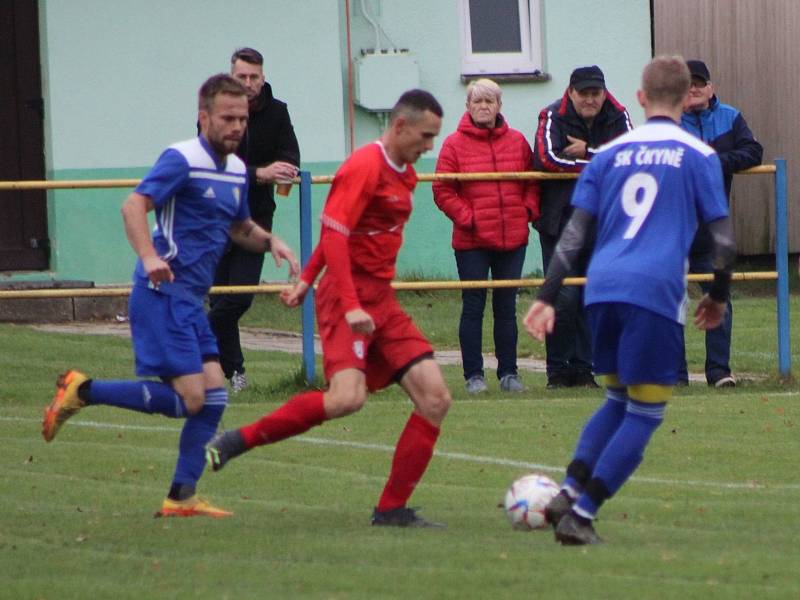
307 326
782 266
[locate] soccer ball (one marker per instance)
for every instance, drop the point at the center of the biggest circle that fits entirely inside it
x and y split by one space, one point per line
526 499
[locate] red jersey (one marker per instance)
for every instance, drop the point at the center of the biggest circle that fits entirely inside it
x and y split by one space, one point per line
370 203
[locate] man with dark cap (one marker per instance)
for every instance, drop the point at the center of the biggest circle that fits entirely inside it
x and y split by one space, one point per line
723 128
570 131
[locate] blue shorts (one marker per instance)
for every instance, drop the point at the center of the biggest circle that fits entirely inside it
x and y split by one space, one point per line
636 344
171 334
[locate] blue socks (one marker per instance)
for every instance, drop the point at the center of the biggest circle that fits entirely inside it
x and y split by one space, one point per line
155 397
143 396
197 432
621 456
595 436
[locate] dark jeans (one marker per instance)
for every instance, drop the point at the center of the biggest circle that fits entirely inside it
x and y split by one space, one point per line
236 267
718 340
569 347
476 265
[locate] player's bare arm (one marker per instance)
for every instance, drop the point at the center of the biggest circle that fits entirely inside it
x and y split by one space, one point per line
254 238
294 297
540 320
137 229
360 321
709 313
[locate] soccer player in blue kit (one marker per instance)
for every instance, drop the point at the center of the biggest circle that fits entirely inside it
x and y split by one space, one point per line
198 189
645 192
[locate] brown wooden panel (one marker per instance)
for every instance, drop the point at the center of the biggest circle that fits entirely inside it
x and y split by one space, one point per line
751 50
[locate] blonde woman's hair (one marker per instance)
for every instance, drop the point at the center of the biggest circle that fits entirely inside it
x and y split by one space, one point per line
480 88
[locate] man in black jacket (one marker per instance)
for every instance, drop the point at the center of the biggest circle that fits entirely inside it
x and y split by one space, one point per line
270 151
723 128
570 131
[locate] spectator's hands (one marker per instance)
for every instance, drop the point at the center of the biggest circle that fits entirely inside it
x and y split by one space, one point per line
540 320
576 148
281 251
709 313
279 170
360 321
294 296
157 270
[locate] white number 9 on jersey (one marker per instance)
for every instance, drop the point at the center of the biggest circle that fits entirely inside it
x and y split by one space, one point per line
638 210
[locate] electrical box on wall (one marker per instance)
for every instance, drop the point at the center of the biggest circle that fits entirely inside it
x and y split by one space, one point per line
381 77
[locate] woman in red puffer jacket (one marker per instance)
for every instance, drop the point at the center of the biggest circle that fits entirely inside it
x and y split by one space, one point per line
490 226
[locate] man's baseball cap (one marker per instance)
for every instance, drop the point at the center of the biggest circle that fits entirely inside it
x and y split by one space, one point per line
587 77
698 69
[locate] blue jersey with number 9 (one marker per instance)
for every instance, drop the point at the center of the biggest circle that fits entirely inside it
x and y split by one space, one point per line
648 189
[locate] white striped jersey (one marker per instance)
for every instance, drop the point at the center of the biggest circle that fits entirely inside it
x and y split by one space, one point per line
196 201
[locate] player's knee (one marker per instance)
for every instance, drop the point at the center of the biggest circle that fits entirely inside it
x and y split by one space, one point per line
193 401
435 404
342 403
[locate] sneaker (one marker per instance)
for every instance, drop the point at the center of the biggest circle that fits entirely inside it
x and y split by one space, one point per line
194 506
476 384
558 381
558 508
511 383
725 382
223 447
571 532
401 517
65 403
238 382
584 379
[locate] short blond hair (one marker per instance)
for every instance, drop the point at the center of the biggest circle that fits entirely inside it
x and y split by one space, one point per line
666 80
481 88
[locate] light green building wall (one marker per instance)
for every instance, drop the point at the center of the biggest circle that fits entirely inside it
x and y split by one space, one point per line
120 80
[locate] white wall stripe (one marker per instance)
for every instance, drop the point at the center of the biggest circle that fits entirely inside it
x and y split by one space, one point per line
489 460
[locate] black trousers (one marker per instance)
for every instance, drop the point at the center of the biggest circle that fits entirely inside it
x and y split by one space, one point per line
569 347
236 267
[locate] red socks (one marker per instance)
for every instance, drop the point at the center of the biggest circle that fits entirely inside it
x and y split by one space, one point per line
302 412
306 410
411 457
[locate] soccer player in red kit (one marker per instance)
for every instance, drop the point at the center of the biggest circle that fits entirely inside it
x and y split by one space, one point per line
368 341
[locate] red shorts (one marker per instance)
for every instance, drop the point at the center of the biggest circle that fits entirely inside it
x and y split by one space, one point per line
395 344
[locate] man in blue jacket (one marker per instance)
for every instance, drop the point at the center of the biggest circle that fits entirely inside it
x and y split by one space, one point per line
723 128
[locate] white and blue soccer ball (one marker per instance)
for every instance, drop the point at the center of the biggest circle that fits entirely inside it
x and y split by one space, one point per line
526 500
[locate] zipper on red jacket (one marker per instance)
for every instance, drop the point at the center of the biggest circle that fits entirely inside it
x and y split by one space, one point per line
500 196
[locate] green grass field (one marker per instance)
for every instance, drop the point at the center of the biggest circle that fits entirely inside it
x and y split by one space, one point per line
713 512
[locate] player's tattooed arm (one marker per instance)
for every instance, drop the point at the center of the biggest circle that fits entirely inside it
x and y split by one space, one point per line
567 252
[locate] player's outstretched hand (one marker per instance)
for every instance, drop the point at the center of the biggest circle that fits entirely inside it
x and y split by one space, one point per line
157 270
709 313
279 251
360 321
540 320
294 296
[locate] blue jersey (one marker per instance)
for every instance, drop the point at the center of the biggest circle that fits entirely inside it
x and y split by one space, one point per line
196 201
648 189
